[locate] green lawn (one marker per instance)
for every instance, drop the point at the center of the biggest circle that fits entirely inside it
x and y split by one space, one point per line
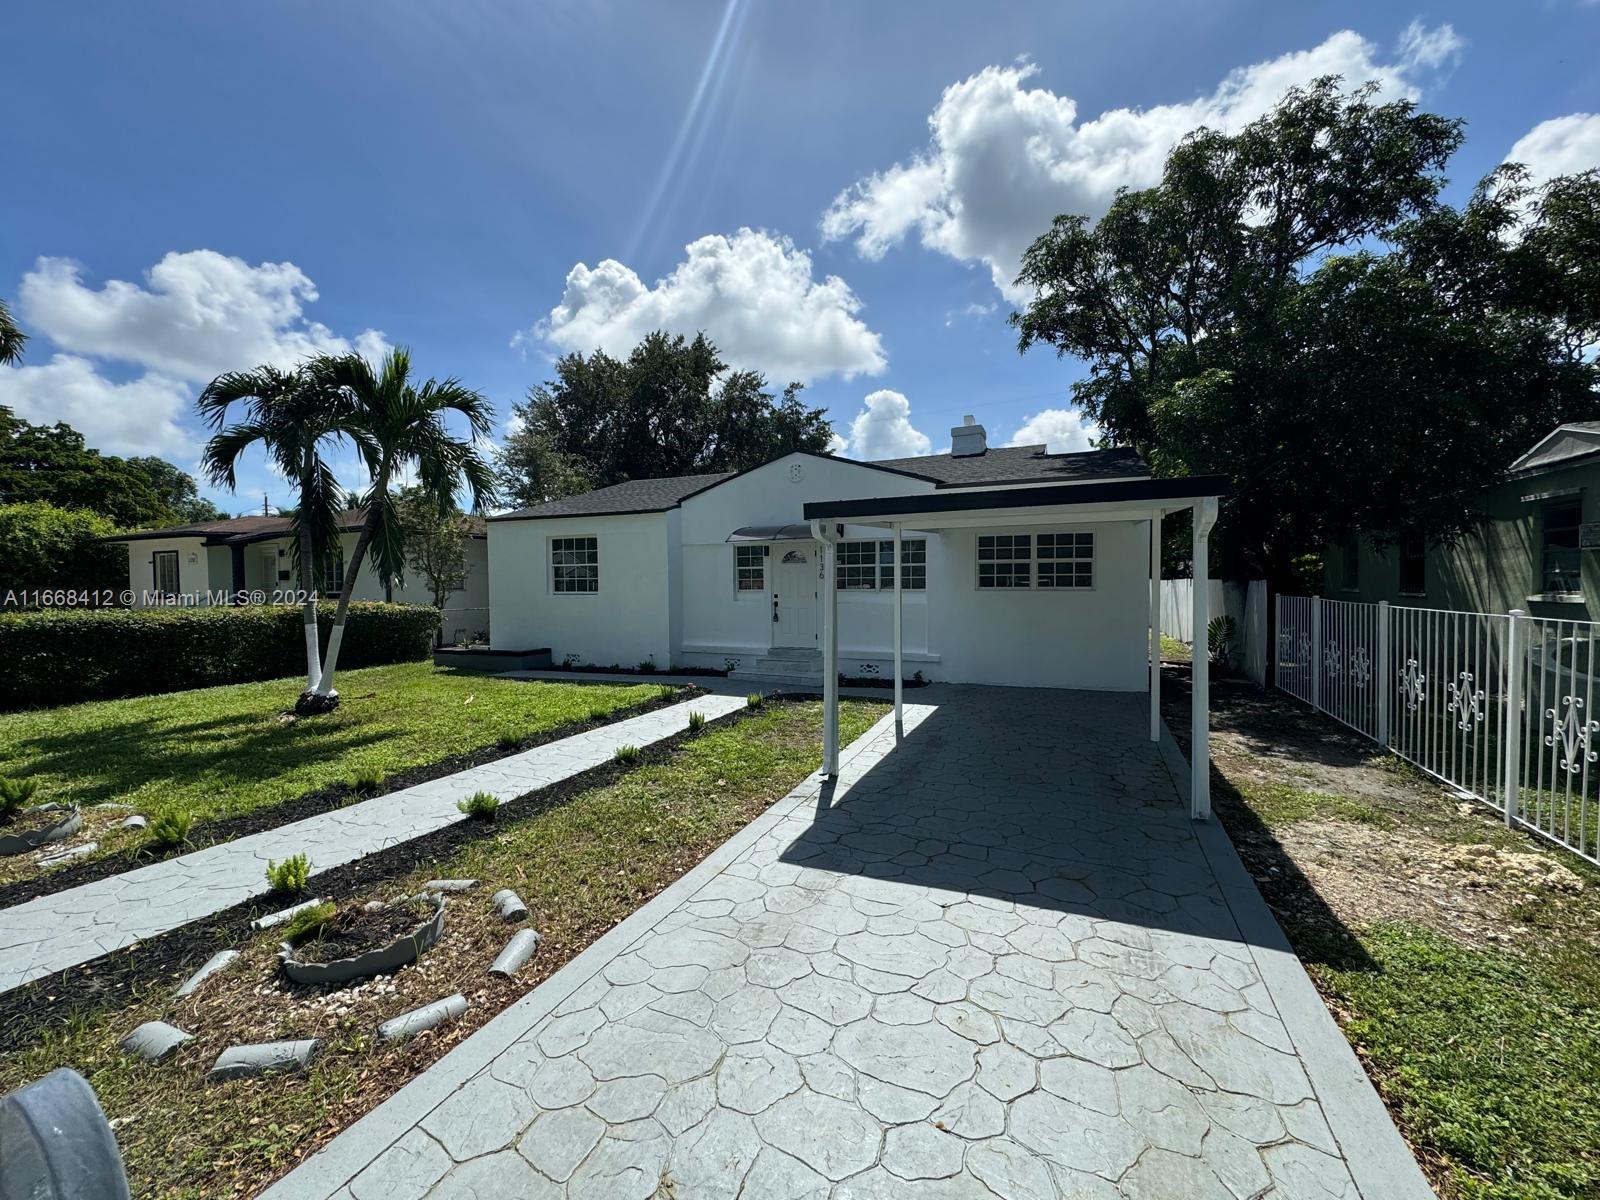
220 752
582 867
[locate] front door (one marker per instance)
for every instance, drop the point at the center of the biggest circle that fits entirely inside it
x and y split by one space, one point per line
794 597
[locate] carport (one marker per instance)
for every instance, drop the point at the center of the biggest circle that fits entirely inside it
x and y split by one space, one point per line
1031 508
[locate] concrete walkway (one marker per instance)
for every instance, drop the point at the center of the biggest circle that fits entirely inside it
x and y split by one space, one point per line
54 932
998 961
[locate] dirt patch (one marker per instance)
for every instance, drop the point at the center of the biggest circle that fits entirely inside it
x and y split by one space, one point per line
1473 894
353 929
29 881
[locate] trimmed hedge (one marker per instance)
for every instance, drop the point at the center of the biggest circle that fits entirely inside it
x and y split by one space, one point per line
63 656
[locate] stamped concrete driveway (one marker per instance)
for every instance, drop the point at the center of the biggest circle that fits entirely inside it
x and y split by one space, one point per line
997 961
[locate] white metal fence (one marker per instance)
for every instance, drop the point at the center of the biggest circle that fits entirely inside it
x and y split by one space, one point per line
1499 707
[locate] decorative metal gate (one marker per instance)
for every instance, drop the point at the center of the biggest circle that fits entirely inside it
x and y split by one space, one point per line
1496 706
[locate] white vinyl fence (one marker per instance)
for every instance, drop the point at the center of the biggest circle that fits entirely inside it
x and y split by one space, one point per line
1499 707
1245 603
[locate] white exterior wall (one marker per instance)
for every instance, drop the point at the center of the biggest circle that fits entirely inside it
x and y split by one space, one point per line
627 621
1089 638
718 620
194 567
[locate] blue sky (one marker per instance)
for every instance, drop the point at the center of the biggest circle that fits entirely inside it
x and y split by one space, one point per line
834 191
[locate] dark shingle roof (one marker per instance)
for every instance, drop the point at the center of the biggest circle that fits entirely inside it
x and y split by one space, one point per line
634 496
1002 465
253 528
1020 464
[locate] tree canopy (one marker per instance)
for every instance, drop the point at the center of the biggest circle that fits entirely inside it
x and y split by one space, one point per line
1293 306
52 463
672 407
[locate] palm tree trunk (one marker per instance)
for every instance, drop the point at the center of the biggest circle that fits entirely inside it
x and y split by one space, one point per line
308 605
324 689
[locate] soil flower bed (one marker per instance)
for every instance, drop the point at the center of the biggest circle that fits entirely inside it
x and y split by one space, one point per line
581 867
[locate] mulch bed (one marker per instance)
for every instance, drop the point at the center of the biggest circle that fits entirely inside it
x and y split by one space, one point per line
324 799
27 1011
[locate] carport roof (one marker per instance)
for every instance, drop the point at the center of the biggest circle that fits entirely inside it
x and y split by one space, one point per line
1177 492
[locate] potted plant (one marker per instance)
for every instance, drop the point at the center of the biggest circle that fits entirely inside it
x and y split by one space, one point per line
330 943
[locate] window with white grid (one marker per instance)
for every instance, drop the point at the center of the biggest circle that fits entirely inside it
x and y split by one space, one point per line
574 565
750 568
913 565
1065 560
857 566
1005 560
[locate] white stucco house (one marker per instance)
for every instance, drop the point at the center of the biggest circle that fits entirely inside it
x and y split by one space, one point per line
1019 567
214 561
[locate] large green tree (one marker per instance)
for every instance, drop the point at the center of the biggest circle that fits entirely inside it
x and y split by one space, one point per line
1294 307
672 407
53 463
401 428
43 547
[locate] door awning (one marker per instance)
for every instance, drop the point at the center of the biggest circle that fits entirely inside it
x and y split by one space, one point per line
771 533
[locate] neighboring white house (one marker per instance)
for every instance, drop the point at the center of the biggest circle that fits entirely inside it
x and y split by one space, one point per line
213 562
725 571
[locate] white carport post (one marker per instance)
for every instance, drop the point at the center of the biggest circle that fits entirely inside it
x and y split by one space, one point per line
1205 516
899 687
830 648
1155 626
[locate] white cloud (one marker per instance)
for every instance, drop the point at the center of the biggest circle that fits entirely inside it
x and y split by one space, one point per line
1062 430
1559 146
752 294
138 417
200 314
1004 160
883 429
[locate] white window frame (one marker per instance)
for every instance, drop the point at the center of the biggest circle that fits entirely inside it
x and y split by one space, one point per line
1034 557
761 554
881 566
551 549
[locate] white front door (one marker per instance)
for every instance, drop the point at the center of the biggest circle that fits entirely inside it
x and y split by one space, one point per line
794 596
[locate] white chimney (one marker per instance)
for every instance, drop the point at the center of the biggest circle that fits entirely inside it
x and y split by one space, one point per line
968 438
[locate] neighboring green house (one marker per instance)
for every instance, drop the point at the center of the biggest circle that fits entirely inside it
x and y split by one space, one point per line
1534 550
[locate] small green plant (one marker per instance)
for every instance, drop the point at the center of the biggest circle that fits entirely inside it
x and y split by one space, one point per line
309 922
508 740
666 692
289 876
365 780
170 830
754 700
480 806
648 666
1220 635
627 754
598 712
14 793
697 721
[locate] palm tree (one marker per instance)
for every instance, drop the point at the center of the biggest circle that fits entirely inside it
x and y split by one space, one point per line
400 429
291 415
11 338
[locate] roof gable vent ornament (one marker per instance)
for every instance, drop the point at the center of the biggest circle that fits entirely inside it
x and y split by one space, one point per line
968 439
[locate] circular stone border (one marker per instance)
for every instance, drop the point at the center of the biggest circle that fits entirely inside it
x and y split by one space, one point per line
32 839
405 949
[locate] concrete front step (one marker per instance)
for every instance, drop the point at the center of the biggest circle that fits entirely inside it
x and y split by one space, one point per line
808 683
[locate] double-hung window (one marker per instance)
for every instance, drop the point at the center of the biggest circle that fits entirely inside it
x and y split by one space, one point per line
1559 569
574 565
1066 560
1005 560
750 568
1054 561
869 566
